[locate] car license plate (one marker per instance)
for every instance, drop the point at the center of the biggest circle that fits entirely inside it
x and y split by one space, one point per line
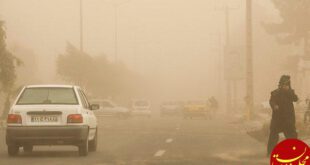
39 119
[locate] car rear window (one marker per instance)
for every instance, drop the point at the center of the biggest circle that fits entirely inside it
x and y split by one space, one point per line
46 95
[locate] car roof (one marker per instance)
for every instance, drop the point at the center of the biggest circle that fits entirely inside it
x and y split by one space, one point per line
50 86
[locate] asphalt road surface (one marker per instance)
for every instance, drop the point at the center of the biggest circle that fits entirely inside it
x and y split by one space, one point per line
154 141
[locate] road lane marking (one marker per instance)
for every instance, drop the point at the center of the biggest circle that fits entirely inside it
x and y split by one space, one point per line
159 153
169 140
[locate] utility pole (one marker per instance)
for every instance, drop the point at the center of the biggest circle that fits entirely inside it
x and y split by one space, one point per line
228 81
249 60
115 33
81 26
220 66
116 5
227 10
227 45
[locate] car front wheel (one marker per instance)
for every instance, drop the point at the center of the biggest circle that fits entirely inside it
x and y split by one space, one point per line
13 150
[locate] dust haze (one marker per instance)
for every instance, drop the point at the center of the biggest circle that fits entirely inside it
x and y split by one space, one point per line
155 50
175 44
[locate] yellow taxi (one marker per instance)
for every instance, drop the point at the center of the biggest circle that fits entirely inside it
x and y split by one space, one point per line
196 108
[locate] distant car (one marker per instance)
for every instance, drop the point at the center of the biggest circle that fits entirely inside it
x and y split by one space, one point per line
170 108
109 108
196 108
51 115
141 108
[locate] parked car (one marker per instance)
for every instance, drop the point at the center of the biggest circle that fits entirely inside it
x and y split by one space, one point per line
141 108
170 108
109 108
51 115
196 108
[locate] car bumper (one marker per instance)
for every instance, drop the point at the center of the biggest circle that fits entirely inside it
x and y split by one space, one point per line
52 135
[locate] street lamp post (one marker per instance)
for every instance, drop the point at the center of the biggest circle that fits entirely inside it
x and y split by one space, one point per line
81 25
115 33
229 82
116 5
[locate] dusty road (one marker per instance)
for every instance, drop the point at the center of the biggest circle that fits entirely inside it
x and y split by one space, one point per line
155 141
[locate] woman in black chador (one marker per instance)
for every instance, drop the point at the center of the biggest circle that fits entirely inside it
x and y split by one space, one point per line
283 113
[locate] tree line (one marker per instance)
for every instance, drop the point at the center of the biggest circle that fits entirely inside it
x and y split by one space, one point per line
8 64
99 76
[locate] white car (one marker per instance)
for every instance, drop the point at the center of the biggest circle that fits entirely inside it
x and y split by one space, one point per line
141 108
51 115
109 108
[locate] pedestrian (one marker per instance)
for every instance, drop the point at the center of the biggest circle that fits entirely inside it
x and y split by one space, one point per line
307 113
283 113
212 107
213 103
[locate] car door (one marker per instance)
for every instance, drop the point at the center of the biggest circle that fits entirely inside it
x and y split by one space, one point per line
92 121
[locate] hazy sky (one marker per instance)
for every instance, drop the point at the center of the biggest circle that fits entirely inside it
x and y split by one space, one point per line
160 25
173 39
46 25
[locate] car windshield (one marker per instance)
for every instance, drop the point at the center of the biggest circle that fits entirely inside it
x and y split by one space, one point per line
48 96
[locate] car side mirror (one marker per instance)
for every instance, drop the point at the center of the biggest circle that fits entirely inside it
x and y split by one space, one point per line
94 107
